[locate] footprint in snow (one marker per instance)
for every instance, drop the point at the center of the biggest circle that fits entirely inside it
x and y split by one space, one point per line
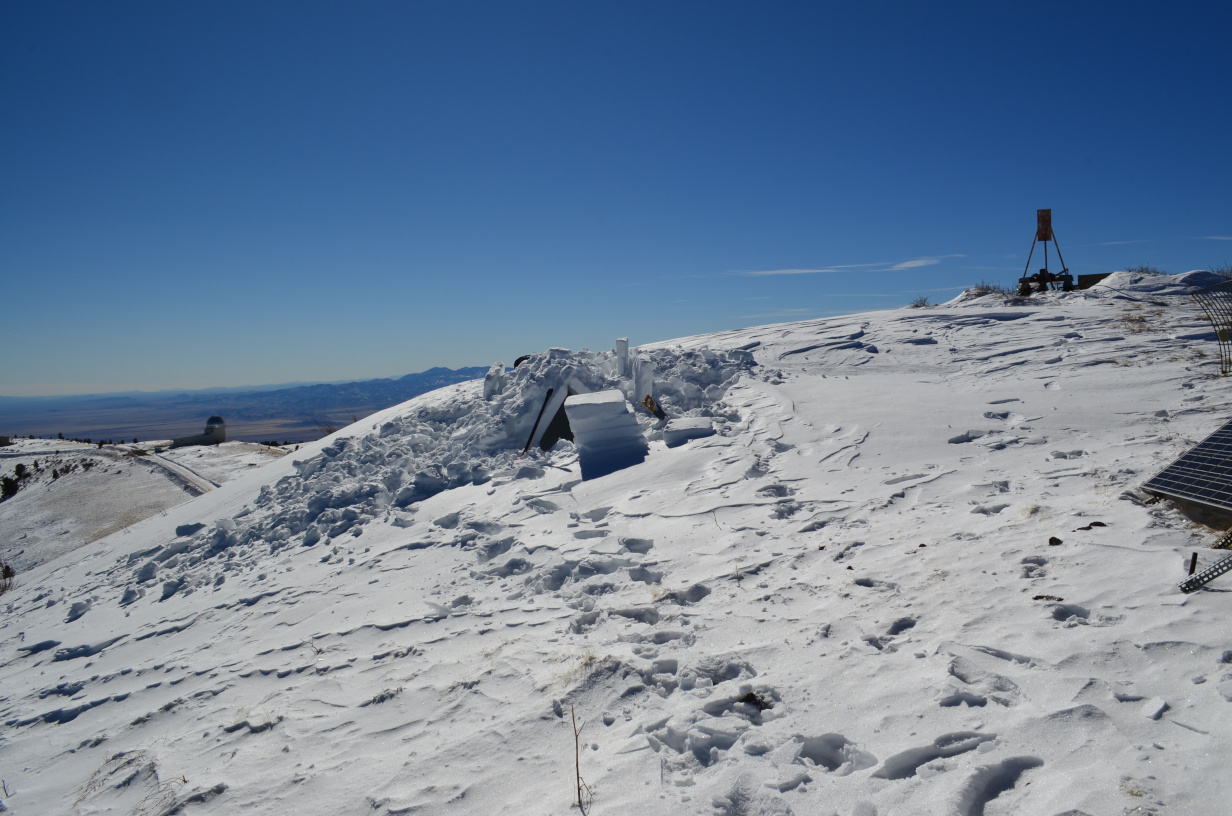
905 764
1033 566
990 782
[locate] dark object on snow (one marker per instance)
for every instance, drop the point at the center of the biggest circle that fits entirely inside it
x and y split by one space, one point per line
215 433
653 407
1054 542
521 360
1203 474
1193 564
1216 302
557 429
1087 281
535 427
1045 279
1092 524
1207 575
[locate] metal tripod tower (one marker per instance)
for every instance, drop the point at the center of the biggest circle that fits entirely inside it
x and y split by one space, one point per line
1044 279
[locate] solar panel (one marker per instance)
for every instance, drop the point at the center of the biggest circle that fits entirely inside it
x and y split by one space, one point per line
1203 474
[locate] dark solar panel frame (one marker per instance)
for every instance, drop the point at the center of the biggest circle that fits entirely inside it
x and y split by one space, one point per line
1203 474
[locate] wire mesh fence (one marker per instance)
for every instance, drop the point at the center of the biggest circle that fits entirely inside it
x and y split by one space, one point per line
1216 301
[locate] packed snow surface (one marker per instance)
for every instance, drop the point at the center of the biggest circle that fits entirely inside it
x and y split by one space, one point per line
908 572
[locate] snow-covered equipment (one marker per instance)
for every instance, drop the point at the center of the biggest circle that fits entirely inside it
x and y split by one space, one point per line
1203 474
653 408
679 431
1043 278
1216 302
1207 575
606 433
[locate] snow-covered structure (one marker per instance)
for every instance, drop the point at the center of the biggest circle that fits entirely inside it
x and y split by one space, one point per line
605 432
215 433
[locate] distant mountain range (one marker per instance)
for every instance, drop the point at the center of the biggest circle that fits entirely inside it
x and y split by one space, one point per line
293 413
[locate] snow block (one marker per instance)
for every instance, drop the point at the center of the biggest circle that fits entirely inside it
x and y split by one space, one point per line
679 431
1154 708
643 378
494 381
605 431
622 356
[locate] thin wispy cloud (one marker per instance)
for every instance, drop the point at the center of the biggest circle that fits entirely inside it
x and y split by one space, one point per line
884 266
1114 243
1217 237
766 272
917 263
863 294
817 271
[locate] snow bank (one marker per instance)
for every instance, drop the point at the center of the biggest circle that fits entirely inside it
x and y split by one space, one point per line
466 434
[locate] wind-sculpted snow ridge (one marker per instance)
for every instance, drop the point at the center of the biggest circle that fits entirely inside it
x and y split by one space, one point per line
909 572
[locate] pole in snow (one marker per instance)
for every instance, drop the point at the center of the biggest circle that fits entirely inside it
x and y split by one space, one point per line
535 427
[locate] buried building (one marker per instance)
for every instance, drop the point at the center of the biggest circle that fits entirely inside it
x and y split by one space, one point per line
215 433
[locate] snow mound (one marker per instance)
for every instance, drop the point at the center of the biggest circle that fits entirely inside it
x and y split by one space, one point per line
439 442
1145 284
1116 285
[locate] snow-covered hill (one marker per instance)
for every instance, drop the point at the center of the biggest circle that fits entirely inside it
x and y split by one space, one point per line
908 574
75 493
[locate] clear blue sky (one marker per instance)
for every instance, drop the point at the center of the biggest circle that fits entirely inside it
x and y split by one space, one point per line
228 193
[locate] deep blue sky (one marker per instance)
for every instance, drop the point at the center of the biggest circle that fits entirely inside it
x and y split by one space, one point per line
205 194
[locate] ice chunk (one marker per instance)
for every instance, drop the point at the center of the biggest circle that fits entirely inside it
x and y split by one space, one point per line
679 431
605 431
622 356
494 381
1154 708
643 378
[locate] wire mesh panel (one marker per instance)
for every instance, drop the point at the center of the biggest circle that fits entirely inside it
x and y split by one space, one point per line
1203 474
1217 302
